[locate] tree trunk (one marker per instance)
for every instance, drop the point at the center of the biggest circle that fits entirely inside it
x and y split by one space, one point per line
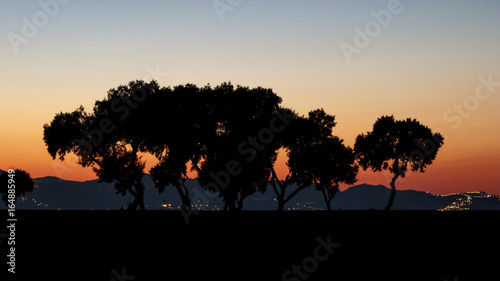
329 193
393 192
138 197
232 204
329 201
141 202
140 193
280 196
239 202
137 183
138 202
133 206
229 202
281 204
328 204
291 195
332 195
238 207
184 194
325 198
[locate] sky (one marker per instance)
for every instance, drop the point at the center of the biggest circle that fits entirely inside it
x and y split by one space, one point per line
436 61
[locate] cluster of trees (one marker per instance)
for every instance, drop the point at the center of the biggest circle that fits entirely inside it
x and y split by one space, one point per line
230 137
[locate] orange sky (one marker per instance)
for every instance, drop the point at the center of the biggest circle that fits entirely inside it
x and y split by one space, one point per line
467 161
449 173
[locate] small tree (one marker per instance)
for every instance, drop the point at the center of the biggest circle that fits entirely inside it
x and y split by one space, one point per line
21 182
396 146
301 138
330 163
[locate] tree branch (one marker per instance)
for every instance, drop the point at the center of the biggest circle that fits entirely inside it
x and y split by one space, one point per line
186 193
275 177
275 189
295 192
129 189
97 162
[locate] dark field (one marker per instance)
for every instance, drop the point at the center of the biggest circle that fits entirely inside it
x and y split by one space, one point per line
158 245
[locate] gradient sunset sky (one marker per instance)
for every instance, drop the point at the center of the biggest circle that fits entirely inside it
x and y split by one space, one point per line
436 61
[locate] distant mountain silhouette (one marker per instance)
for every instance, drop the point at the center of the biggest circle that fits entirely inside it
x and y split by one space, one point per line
54 193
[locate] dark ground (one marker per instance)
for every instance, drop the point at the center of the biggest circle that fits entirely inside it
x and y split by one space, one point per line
158 245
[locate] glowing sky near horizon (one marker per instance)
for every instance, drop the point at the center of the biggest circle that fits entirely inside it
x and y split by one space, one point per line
426 62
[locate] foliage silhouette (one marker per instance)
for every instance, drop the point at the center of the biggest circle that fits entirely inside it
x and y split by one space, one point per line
178 124
230 137
22 182
396 144
239 156
109 139
329 162
298 139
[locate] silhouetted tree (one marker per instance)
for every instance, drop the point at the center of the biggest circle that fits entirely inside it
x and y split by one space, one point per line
109 139
21 182
301 138
238 159
330 163
394 145
178 123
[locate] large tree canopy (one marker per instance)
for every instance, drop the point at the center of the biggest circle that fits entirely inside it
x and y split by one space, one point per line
107 139
239 158
178 123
